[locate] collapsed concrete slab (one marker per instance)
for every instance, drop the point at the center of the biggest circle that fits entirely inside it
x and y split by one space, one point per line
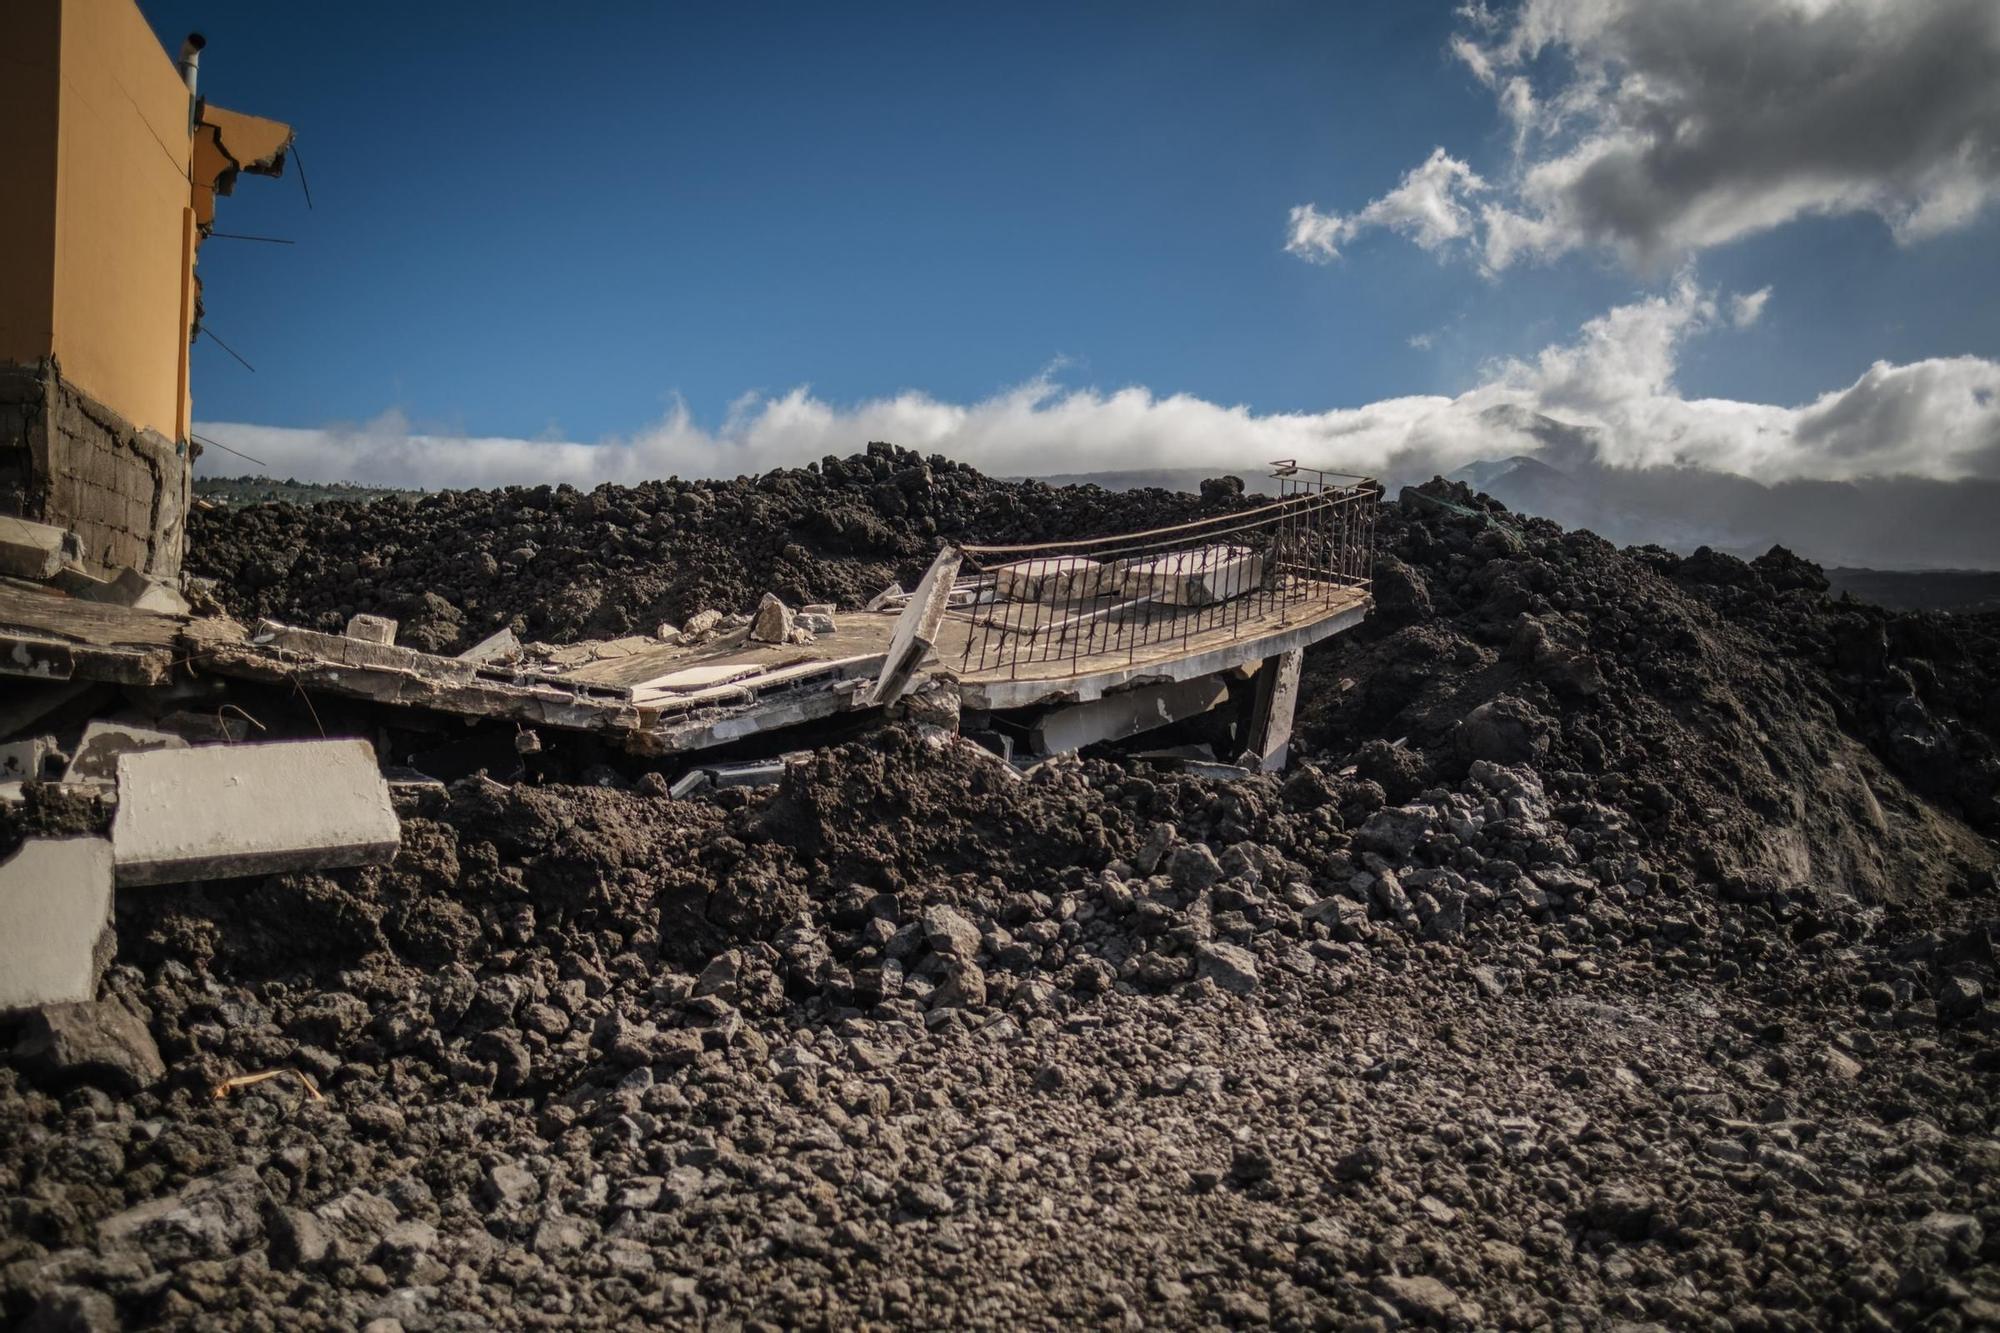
1118 716
215 812
55 919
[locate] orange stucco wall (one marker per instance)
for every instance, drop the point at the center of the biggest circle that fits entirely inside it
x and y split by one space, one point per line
30 43
122 242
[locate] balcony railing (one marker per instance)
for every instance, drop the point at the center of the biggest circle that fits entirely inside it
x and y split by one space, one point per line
1144 594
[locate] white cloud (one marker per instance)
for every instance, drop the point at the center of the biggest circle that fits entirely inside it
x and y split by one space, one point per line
1656 130
1428 206
1747 308
1614 382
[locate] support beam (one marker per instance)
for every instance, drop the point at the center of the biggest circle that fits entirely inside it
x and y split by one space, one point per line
1269 739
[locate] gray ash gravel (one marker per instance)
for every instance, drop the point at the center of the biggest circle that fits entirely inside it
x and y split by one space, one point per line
1604 1001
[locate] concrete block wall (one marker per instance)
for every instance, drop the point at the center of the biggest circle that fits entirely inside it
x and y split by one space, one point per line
68 460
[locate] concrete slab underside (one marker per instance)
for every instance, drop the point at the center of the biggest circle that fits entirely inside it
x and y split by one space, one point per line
1106 673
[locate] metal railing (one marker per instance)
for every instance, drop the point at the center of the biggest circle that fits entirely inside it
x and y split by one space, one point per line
1235 574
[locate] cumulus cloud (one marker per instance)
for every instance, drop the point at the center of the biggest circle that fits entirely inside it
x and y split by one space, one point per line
1429 206
1612 385
1657 130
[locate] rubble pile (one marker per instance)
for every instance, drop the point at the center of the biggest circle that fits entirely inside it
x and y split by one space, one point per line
557 564
1621 953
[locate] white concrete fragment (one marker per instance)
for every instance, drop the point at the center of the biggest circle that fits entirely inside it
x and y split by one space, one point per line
371 629
1117 716
219 811
689 679
757 773
22 760
1198 577
104 740
689 783
1054 579
917 628
33 550
55 907
881 599
499 646
141 592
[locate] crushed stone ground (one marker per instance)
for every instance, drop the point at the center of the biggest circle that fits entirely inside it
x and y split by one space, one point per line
1619 954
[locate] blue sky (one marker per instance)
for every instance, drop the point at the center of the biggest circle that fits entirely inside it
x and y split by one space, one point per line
535 226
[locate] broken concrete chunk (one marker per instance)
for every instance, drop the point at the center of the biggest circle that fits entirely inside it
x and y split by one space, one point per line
759 773
33 550
55 921
216 812
917 628
818 609
499 646
105 740
91 1041
689 783
371 629
1199 577
884 597
700 623
24 760
1054 579
141 592
773 621
816 622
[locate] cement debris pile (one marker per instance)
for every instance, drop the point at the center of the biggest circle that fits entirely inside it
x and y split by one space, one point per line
557 564
1610 961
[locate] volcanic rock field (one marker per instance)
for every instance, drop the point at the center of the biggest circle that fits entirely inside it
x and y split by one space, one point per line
1617 952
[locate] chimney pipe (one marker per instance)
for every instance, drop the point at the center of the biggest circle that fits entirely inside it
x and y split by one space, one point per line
190 62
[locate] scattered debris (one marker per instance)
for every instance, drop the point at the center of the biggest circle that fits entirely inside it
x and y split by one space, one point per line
371 629
240 1081
773 621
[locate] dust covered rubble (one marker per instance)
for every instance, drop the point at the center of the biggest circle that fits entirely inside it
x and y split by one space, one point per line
904 1042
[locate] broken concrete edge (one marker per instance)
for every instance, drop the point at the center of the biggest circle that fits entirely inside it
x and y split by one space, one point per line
55 921
1120 716
225 811
916 630
1001 695
499 646
37 551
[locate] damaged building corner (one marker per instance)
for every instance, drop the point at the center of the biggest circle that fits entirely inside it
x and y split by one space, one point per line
114 166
